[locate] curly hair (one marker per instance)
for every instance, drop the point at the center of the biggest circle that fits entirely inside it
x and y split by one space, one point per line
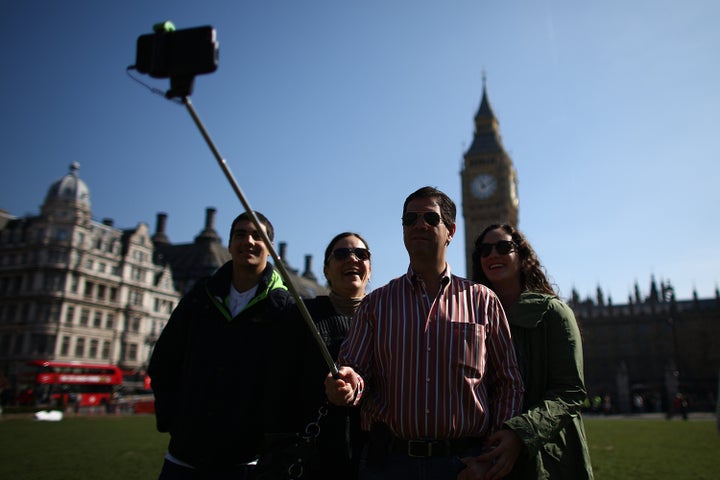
532 273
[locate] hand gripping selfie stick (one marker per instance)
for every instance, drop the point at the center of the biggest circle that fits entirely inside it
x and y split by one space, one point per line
180 55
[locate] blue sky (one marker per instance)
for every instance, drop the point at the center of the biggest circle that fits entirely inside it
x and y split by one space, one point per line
330 113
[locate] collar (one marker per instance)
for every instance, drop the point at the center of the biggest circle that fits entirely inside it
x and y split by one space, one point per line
444 276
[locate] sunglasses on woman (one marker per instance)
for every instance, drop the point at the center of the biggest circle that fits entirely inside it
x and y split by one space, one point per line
502 247
343 253
431 218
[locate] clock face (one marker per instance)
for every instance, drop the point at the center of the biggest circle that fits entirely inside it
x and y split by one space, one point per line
483 186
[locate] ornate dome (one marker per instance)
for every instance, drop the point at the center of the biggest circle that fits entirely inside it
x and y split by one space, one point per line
69 189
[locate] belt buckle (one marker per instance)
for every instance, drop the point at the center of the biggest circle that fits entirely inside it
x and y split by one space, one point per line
423 446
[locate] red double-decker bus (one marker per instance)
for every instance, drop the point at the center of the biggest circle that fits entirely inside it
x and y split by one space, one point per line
63 383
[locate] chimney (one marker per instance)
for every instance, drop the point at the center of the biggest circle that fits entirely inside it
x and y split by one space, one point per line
283 250
108 221
159 237
308 269
208 233
161 221
210 218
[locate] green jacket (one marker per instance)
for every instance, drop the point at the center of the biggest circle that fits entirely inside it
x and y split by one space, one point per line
549 353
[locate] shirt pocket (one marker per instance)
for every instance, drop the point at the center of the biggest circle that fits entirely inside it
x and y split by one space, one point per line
466 345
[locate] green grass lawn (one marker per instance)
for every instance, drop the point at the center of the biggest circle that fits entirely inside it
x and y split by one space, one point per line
78 448
653 449
129 448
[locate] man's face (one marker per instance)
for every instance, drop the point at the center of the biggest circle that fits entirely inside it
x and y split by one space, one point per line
246 245
421 237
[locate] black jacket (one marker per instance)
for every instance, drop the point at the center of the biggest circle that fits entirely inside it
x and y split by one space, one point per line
340 439
209 371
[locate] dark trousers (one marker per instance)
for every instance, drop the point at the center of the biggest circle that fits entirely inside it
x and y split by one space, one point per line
173 471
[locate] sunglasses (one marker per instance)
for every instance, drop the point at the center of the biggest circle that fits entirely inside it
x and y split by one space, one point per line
503 247
431 218
343 253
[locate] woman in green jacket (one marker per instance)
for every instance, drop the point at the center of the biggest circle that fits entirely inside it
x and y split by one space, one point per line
547 441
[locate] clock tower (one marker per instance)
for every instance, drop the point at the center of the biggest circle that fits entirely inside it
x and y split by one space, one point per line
489 180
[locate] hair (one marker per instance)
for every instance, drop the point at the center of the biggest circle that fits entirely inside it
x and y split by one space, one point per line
532 273
263 219
337 238
447 206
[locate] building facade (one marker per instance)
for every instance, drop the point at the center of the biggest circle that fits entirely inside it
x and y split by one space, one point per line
75 289
643 353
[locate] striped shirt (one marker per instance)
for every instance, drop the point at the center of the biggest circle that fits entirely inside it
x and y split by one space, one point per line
439 367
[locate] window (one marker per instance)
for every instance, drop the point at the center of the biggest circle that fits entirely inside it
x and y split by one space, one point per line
132 351
101 290
138 274
135 324
110 321
18 347
17 283
39 344
65 346
89 286
93 349
97 319
80 347
5 343
135 297
25 313
113 294
52 282
11 309
84 317
106 349
70 315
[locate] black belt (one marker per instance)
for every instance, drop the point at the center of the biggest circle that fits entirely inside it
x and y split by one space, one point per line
427 448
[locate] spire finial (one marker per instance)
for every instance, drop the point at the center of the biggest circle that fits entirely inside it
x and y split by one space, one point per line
484 79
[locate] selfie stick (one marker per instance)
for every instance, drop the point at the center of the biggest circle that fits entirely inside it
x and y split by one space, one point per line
278 261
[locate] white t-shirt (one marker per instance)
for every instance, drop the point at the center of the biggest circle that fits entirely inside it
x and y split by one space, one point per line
239 300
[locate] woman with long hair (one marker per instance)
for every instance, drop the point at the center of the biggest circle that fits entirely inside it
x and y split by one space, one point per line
548 439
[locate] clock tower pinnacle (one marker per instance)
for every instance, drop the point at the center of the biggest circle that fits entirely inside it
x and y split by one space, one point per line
489 180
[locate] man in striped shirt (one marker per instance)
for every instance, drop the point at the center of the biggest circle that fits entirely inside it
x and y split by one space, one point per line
429 358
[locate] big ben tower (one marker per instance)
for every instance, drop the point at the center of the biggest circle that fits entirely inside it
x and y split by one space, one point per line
489 181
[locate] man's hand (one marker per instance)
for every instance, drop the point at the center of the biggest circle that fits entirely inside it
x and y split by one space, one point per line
506 447
345 390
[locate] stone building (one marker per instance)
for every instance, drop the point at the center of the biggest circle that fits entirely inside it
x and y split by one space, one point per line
75 289
651 348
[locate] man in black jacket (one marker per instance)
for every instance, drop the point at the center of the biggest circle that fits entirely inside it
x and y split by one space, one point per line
208 367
